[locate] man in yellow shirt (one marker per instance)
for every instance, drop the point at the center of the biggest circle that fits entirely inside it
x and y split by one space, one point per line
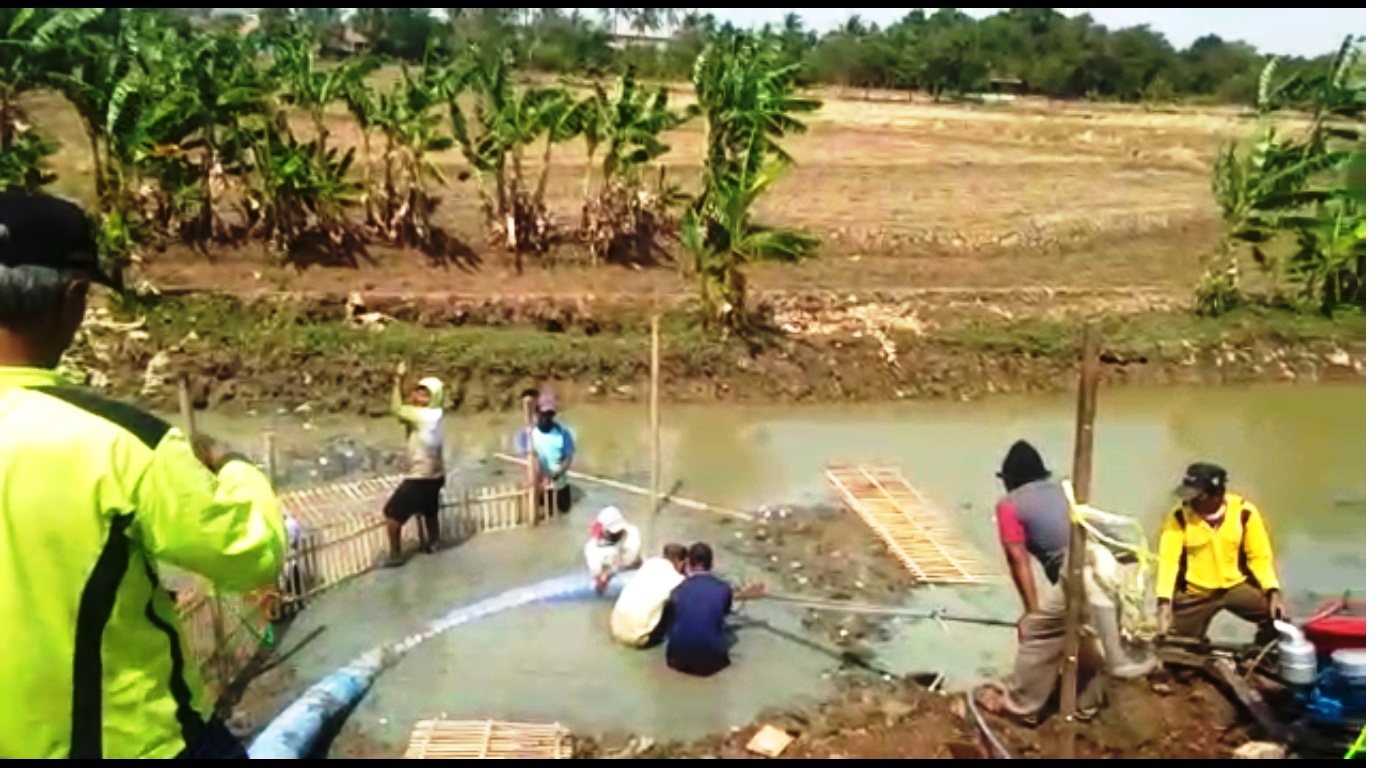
1215 555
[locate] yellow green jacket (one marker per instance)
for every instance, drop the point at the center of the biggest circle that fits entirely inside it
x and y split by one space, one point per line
93 494
1195 556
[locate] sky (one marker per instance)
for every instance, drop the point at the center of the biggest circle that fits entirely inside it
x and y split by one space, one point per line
1280 31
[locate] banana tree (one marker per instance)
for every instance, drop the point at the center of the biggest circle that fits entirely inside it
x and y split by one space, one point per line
99 73
206 93
365 105
302 196
408 117
503 123
1299 204
310 88
27 38
625 213
748 102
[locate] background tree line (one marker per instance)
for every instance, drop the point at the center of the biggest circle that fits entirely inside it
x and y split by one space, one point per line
947 52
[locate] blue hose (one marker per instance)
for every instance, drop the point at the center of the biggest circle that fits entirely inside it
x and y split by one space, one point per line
294 733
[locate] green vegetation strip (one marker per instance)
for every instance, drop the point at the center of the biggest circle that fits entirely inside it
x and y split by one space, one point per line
285 329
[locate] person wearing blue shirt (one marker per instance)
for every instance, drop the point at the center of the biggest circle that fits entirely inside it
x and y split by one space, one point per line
553 446
697 638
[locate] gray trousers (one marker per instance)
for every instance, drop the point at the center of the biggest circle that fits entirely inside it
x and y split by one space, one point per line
1037 668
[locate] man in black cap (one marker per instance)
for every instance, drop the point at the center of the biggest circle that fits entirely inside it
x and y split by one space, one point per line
1215 555
1034 524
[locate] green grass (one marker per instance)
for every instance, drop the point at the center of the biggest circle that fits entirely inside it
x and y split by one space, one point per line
1145 334
278 336
287 333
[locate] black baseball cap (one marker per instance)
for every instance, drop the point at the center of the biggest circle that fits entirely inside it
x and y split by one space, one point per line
1202 479
41 230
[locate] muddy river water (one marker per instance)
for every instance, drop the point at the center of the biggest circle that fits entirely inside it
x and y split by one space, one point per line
1299 452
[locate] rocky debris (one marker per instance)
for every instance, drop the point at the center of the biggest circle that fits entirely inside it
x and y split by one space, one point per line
829 554
1260 750
870 718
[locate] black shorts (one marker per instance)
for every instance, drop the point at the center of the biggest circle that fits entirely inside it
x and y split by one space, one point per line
562 498
415 496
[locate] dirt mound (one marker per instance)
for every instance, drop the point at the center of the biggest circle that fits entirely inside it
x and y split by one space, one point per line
904 719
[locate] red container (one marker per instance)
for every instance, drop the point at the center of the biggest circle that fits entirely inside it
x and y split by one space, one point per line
1338 624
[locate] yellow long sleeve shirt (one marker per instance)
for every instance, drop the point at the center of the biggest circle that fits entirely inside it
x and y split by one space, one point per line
1215 558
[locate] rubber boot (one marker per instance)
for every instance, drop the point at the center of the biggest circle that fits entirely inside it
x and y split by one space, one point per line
1121 663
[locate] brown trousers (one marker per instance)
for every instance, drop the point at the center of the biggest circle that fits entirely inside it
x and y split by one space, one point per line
1193 612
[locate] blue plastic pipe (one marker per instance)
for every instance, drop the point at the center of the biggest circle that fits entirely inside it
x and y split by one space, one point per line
294 733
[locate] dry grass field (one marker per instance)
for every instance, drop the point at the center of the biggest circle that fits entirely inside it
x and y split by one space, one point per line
907 196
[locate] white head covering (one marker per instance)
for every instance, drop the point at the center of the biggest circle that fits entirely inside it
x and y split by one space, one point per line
435 387
611 520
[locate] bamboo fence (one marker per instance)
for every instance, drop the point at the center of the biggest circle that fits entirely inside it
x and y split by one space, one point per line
488 740
343 536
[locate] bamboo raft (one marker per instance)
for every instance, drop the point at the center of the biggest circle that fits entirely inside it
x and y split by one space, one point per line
916 532
488 740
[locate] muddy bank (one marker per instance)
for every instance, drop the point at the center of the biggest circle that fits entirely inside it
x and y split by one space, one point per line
872 719
294 355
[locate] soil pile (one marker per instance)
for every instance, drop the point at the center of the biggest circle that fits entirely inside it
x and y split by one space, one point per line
904 719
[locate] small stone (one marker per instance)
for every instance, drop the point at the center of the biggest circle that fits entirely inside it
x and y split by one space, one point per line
1262 750
1341 359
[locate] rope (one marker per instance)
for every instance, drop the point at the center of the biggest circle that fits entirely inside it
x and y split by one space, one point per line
1129 594
841 606
1000 753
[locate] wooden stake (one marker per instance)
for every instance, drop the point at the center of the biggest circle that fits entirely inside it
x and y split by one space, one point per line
216 615
184 402
654 420
1074 578
532 476
270 448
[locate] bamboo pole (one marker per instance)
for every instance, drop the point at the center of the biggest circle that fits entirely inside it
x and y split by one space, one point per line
654 422
532 476
270 448
628 488
217 619
1074 579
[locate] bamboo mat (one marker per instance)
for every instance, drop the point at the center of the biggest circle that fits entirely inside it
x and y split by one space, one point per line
914 529
327 505
488 740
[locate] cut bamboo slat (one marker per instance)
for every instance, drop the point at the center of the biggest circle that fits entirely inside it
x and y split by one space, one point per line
488 740
909 524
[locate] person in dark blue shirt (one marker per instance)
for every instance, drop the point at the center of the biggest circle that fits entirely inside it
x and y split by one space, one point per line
697 638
